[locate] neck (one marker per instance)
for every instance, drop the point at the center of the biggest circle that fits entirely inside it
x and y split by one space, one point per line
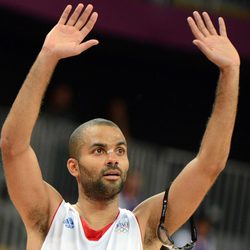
97 214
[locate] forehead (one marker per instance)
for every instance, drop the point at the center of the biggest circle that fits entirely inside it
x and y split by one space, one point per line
103 134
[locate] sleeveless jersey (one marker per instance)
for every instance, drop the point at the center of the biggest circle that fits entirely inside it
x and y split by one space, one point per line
67 233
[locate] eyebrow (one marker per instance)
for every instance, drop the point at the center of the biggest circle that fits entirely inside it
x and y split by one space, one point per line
104 145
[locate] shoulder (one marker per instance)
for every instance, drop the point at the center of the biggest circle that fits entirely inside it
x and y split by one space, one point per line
148 212
148 215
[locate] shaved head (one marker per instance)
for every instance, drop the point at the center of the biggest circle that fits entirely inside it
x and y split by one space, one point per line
77 137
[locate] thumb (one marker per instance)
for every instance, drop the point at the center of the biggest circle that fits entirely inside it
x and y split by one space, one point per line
86 45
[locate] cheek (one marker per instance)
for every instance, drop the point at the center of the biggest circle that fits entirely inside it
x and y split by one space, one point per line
90 168
126 164
123 166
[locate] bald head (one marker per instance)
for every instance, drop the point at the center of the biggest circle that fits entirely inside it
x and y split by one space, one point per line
77 138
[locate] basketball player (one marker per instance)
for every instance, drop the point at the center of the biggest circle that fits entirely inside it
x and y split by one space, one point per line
98 153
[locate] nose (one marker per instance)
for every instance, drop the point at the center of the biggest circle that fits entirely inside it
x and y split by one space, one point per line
112 158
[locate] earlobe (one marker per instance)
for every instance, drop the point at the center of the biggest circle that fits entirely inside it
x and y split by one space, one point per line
72 165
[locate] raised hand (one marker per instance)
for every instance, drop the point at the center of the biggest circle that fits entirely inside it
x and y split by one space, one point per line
217 47
66 38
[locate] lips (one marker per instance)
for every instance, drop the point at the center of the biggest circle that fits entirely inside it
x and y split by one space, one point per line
112 173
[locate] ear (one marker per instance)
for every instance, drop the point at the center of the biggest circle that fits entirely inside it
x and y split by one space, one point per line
73 168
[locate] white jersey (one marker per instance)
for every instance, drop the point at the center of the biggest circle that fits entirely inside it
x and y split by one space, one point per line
67 233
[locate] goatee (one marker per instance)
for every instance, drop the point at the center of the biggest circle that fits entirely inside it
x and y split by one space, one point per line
98 189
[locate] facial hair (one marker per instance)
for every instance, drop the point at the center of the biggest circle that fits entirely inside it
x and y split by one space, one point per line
96 189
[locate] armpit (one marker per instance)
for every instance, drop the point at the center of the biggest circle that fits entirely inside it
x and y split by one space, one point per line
151 241
38 221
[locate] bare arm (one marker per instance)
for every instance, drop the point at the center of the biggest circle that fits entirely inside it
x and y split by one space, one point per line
33 198
192 184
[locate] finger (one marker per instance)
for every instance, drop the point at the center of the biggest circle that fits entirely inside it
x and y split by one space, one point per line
72 20
222 27
209 24
200 23
90 24
86 45
65 14
83 18
196 32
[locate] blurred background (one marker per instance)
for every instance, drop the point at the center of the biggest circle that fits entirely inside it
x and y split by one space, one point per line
147 76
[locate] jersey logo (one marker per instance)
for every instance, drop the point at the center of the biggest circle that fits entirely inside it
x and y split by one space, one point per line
69 223
122 225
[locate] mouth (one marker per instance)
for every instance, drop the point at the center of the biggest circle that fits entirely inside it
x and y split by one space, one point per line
112 175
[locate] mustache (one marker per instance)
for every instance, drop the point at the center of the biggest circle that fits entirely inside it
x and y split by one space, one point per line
111 166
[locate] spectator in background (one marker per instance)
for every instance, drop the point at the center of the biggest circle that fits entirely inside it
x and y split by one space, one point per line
130 195
206 237
117 112
60 101
205 223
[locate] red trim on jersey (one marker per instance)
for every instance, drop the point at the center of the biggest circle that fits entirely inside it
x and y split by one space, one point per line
55 214
139 225
92 234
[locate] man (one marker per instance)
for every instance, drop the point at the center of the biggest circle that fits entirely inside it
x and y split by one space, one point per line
98 153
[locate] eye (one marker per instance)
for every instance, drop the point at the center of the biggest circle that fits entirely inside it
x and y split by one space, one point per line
99 151
120 151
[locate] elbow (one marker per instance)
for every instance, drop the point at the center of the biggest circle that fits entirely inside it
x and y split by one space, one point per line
5 145
217 167
12 143
214 165
4 140
10 148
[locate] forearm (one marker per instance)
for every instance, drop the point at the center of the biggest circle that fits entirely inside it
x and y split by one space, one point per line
17 129
216 141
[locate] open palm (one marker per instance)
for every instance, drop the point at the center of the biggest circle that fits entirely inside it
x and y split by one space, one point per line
66 38
217 47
